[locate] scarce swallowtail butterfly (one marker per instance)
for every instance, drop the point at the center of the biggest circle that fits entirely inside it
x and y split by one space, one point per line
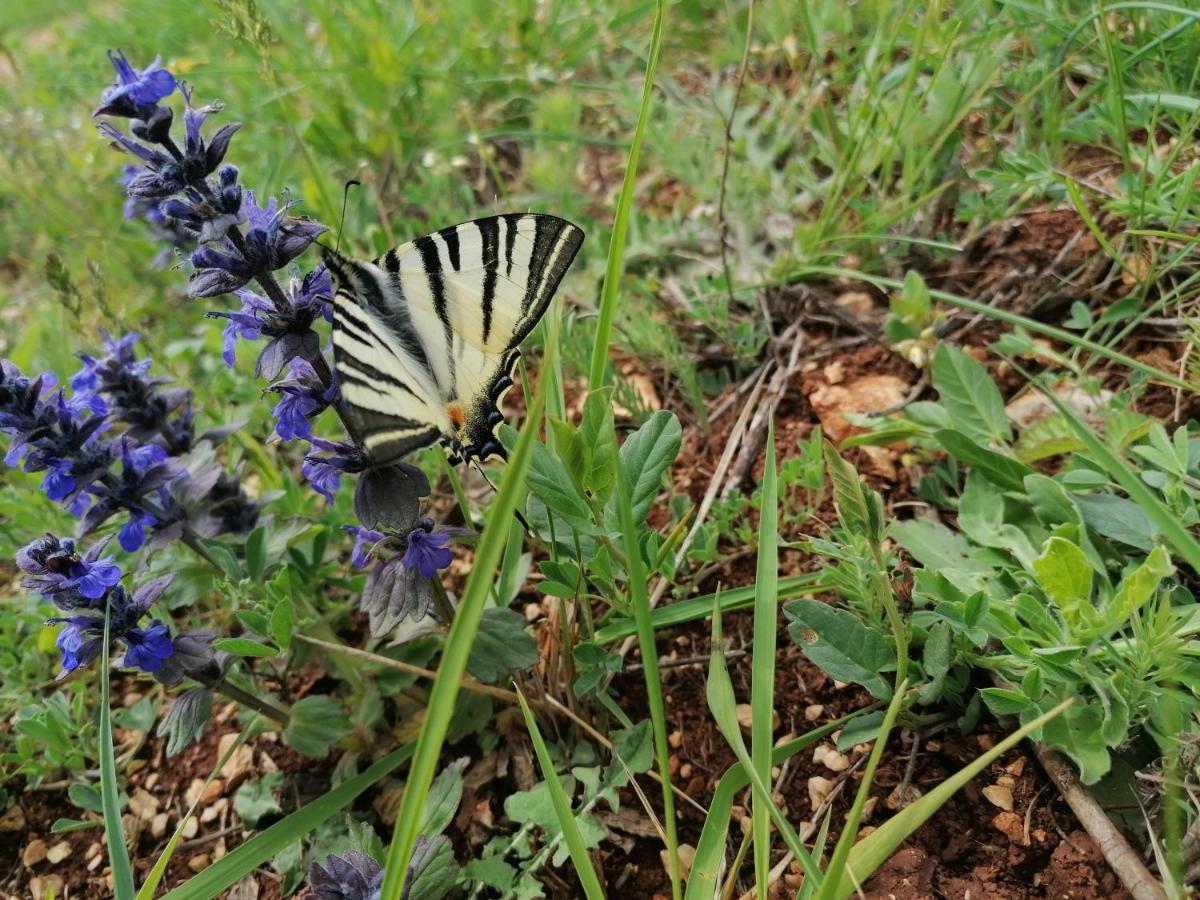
426 336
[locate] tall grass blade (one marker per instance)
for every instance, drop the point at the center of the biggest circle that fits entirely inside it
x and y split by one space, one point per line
723 705
873 850
572 836
640 601
118 853
762 690
263 847
616 247
458 647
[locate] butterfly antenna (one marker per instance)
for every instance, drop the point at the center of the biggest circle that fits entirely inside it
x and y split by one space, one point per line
345 198
516 512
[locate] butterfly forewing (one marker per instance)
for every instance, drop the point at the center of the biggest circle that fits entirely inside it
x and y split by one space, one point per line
425 337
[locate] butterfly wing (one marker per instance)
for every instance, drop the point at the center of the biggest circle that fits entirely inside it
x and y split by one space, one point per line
447 313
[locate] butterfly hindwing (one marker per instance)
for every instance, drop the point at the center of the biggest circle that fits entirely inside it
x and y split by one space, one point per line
429 331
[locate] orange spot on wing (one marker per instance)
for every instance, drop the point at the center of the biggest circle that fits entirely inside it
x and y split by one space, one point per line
457 416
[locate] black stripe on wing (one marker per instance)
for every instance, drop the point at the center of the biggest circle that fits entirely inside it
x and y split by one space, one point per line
489 233
431 262
555 244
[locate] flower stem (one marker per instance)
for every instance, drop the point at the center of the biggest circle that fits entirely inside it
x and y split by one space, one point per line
247 699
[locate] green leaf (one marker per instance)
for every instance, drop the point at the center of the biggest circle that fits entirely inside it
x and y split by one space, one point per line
597 433
860 730
85 796
316 722
969 395
847 491
843 647
436 873
225 558
502 646
444 796
256 553
256 798
549 481
243 647
1118 519
63 826
1078 733
644 457
937 547
1137 588
1005 471
1066 576
1004 702
283 622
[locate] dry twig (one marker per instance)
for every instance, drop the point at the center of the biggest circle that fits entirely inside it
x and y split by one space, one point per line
1125 862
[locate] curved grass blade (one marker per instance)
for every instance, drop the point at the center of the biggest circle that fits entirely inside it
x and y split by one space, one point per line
640 601
154 877
873 850
710 848
762 685
723 706
458 647
267 844
616 247
118 853
572 836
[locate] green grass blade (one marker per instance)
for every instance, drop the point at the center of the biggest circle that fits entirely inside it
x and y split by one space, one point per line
841 850
458 647
118 853
873 850
702 607
155 875
616 247
762 691
1003 315
723 705
710 848
1179 537
645 631
267 844
562 809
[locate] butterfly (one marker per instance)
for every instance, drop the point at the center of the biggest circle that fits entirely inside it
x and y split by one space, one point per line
426 336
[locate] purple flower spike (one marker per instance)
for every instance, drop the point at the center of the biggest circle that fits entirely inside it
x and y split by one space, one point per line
79 643
134 95
364 540
427 551
148 648
302 396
